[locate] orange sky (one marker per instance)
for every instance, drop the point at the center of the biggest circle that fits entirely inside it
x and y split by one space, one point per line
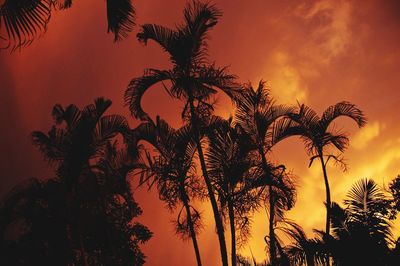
317 52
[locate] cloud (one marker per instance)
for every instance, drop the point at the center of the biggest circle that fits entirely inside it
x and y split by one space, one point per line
367 134
286 81
330 32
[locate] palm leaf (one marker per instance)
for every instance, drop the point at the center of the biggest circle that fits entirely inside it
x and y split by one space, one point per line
22 21
342 109
138 86
120 17
212 76
165 37
199 19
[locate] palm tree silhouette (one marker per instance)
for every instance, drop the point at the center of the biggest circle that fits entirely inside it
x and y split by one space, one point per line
79 146
22 21
233 173
318 136
173 172
35 214
267 124
361 232
192 79
364 222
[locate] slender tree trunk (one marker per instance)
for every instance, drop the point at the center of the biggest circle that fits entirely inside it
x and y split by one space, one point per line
272 239
191 227
328 200
233 232
272 246
217 218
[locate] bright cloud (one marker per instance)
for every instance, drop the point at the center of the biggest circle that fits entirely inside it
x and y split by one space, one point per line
286 81
367 134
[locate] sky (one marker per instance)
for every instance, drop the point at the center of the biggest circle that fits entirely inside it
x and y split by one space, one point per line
313 52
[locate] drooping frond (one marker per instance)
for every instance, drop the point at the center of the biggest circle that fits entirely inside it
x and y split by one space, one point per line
340 141
22 21
343 109
164 36
120 17
282 129
138 86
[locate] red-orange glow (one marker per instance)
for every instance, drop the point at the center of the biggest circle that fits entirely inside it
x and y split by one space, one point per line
318 52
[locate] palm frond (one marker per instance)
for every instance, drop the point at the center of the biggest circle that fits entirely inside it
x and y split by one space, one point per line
138 86
70 115
282 129
164 36
342 109
212 76
52 146
22 21
306 117
199 19
120 17
365 196
106 128
340 141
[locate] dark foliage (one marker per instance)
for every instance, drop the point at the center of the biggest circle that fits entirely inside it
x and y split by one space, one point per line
85 215
23 21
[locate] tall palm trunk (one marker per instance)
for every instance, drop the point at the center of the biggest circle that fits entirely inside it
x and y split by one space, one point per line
217 218
191 226
328 199
233 232
328 196
272 239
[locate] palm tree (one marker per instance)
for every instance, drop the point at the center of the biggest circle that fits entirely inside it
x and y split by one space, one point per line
74 145
23 21
37 212
192 79
174 173
364 223
318 136
361 232
79 138
266 124
231 170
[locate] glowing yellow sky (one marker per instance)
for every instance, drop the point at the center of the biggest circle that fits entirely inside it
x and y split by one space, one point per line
316 52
